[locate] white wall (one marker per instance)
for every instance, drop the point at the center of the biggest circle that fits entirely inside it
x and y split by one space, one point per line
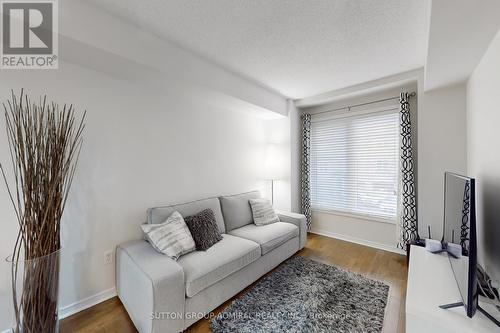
153 137
459 34
441 147
483 139
368 232
144 146
108 41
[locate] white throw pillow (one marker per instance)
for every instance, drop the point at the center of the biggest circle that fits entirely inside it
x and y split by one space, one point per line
263 212
171 237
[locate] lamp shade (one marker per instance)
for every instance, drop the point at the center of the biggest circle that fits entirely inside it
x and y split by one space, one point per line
274 162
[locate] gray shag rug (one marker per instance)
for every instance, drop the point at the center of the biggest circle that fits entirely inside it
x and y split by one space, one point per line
303 295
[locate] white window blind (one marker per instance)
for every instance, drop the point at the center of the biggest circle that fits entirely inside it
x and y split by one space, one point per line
354 164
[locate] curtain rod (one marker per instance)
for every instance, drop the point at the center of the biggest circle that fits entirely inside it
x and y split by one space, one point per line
348 107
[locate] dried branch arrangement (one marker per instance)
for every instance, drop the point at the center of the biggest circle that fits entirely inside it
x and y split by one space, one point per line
44 144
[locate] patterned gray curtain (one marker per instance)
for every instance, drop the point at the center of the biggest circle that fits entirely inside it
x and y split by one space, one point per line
305 168
408 227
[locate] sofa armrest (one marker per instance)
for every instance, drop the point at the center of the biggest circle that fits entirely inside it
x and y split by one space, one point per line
299 220
151 287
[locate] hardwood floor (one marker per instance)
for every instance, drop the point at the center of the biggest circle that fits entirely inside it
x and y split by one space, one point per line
390 268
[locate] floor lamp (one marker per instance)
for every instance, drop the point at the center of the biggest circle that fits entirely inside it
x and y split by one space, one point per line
272 166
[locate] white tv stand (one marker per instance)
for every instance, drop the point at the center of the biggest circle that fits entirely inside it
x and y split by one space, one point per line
430 284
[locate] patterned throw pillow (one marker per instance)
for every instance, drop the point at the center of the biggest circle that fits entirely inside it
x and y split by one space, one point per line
204 229
171 237
263 212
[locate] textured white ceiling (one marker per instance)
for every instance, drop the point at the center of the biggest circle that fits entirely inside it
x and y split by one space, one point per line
298 48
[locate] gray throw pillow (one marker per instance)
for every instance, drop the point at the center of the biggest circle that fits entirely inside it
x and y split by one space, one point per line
171 237
204 230
263 212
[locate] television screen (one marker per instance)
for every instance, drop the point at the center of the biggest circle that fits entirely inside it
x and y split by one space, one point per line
460 233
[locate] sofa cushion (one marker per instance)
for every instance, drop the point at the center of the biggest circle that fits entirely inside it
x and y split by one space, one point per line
204 268
268 236
236 209
263 212
160 214
204 229
172 238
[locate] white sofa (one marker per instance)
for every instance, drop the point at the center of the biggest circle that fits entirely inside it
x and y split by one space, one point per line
163 295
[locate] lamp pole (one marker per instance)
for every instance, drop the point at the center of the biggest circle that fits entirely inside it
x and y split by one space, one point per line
272 192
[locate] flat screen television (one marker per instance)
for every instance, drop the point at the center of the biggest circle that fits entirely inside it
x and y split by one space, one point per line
460 230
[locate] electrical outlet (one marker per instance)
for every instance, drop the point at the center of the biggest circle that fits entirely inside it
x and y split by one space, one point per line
108 257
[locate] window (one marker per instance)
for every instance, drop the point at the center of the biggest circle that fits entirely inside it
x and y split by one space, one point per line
354 164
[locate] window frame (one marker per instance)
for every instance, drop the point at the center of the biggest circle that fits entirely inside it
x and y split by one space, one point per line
324 116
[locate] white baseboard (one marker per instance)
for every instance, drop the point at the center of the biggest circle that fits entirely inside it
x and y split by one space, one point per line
356 240
86 303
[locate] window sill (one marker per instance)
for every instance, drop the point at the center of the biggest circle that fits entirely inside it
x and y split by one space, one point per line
356 216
